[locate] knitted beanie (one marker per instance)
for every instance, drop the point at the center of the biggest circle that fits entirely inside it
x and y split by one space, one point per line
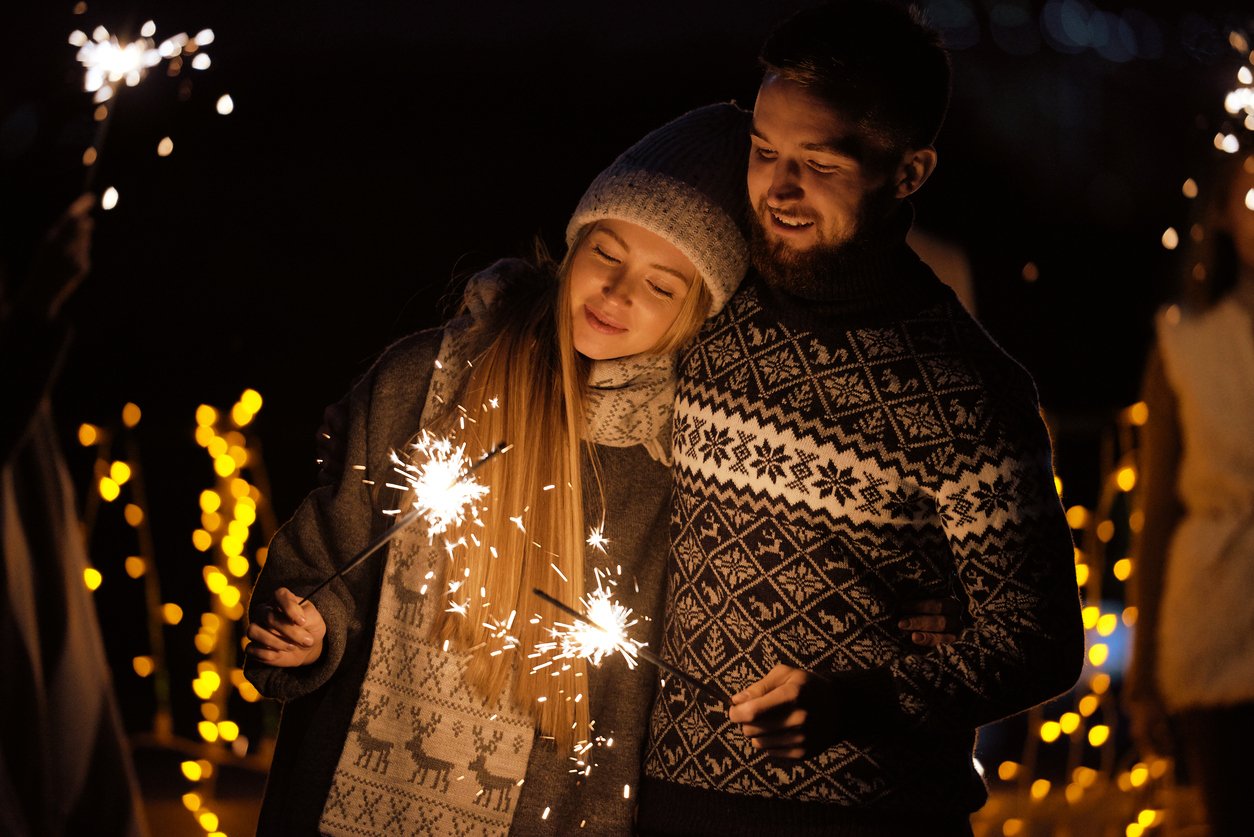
685 182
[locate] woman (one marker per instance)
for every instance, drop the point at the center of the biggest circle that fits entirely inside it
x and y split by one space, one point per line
392 723
1193 658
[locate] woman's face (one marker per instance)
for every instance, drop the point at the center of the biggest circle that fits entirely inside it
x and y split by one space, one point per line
627 286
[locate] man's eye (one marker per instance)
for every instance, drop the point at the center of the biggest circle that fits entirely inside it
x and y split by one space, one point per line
765 153
822 168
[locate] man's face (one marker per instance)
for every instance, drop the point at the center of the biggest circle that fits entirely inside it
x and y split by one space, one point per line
812 184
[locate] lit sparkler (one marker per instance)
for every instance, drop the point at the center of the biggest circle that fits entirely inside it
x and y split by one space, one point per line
602 630
109 65
444 492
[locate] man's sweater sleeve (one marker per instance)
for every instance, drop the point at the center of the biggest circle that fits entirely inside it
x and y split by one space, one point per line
336 521
1023 640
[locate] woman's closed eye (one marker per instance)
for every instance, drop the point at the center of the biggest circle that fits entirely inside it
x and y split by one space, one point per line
661 291
600 252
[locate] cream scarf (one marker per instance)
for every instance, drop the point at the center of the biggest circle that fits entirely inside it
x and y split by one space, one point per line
424 753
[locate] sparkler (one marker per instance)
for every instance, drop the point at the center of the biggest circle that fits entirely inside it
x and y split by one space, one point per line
109 65
589 637
443 492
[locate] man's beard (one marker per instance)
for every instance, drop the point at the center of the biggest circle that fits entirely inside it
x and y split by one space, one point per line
811 273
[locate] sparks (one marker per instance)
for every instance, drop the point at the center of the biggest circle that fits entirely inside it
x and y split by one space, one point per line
604 632
438 476
596 538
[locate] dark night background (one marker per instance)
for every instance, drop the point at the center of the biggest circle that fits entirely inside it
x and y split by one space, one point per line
377 152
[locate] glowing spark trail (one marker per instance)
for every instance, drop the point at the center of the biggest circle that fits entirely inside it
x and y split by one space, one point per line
613 639
439 512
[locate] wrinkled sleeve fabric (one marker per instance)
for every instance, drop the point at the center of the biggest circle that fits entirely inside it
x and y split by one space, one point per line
336 521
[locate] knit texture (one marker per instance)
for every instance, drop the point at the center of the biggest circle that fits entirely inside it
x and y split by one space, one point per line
834 461
328 705
684 182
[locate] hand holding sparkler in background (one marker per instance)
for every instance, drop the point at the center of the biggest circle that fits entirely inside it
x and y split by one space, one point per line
289 634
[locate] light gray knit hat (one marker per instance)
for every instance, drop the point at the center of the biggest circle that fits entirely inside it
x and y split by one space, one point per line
685 182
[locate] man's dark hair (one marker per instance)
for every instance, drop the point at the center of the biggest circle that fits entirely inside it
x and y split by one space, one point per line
876 63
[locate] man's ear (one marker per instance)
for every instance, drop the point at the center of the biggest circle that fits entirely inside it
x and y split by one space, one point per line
913 171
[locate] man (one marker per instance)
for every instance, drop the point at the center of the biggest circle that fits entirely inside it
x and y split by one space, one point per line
847 438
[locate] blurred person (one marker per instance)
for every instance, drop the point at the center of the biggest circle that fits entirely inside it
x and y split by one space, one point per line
1190 686
65 765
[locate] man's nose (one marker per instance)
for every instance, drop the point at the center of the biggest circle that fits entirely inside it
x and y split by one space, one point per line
785 181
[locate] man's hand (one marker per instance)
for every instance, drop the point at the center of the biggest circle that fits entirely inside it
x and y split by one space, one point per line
931 622
789 713
286 633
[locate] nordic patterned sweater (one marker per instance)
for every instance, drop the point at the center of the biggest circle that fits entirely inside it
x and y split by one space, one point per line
836 458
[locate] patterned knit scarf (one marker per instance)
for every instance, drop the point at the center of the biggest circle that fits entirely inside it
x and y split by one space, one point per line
463 758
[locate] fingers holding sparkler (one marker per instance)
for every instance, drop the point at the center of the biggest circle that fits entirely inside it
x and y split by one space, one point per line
287 633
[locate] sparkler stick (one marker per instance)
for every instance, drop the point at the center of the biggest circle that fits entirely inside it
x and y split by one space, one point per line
640 651
402 521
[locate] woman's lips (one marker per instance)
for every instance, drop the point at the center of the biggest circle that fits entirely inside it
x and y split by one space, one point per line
601 323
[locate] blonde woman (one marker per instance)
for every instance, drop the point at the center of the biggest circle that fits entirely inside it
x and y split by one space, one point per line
397 717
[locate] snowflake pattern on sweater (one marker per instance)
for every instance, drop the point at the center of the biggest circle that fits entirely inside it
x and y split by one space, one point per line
826 477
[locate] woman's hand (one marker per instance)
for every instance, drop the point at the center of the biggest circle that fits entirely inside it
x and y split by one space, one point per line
286 633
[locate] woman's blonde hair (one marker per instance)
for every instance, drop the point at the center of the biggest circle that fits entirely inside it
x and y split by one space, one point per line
531 370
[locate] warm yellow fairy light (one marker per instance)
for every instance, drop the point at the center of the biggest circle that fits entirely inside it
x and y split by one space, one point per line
1099 653
92 578
246 514
135 566
215 580
249 692
1083 776
1058 485
1106 531
210 501
1012 827
1050 730
210 522
1088 705
1122 569
1171 238
171 613
1100 683
109 199
237 565
109 490
208 711
229 730
142 665
202 540
1126 478
191 770
1148 818
208 731
208 820
131 414
1081 574
206 415
224 465
1077 517
1134 829
1138 775
191 801
1069 722
87 434
133 514
1098 735
1040 788
1189 189
1074 793
230 596
1090 615
251 399
1007 770
240 415
1129 616
1106 624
